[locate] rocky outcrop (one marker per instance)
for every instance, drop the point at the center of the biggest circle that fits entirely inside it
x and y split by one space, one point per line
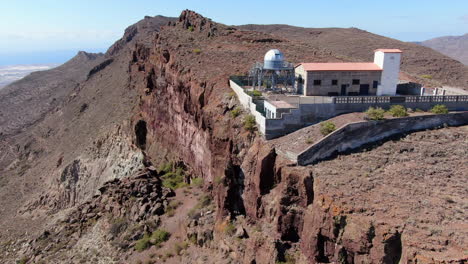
122 212
111 157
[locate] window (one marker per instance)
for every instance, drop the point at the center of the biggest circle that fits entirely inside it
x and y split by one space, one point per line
375 84
356 81
317 82
334 82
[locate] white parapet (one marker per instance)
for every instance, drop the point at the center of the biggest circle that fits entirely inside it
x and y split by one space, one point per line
247 102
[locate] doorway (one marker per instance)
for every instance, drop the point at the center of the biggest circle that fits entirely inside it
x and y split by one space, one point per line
343 89
364 89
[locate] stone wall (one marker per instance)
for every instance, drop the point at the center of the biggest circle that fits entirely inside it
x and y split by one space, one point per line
355 135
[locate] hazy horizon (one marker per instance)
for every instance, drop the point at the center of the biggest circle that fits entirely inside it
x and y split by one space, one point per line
51 31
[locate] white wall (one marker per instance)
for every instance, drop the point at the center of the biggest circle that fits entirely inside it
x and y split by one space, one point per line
270 110
246 102
390 63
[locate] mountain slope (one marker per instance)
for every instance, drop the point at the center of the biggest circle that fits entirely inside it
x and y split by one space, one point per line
455 47
82 181
355 44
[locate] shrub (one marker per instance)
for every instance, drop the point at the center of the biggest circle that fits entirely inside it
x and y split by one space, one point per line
23 260
174 179
143 243
439 109
165 167
197 182
197 51
375 113
193 238
178 247
327 127
249 123
398 111
288 259
254 93
204 201
191 28
426 76
309 141
171 207
219 179
159 236
235 112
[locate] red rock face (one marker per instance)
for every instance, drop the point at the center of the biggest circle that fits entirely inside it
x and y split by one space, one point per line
184 111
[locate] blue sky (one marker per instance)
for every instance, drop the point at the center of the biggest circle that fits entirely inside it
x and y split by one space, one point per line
50 25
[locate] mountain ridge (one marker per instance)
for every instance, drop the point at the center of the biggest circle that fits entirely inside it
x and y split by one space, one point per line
455 47
84 179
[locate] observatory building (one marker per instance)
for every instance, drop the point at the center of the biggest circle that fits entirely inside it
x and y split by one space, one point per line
273 74
341 79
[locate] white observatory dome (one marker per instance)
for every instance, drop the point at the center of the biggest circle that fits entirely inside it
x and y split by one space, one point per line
273 59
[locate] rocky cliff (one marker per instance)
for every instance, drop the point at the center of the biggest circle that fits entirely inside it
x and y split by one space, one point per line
82 181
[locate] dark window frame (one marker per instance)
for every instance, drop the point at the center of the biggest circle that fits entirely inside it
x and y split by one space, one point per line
356 82
334 82
375 84
317 82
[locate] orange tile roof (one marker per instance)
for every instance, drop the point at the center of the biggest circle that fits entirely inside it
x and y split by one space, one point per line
389 50
341 66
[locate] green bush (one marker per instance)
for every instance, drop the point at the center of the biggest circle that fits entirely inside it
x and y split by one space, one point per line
398 111
254 93
204 201
159 236
439 109
197 51
197 182
426 76
219 179
327 127
143 243
191 28
235 112
23 260
249 123
288 259
165 167
178 247
375 113
174 179
172 206
156 238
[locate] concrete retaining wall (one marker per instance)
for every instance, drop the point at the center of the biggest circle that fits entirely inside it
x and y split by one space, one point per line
354 135
247 102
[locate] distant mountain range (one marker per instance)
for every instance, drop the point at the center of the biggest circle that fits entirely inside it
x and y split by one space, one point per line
455 47
11 73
